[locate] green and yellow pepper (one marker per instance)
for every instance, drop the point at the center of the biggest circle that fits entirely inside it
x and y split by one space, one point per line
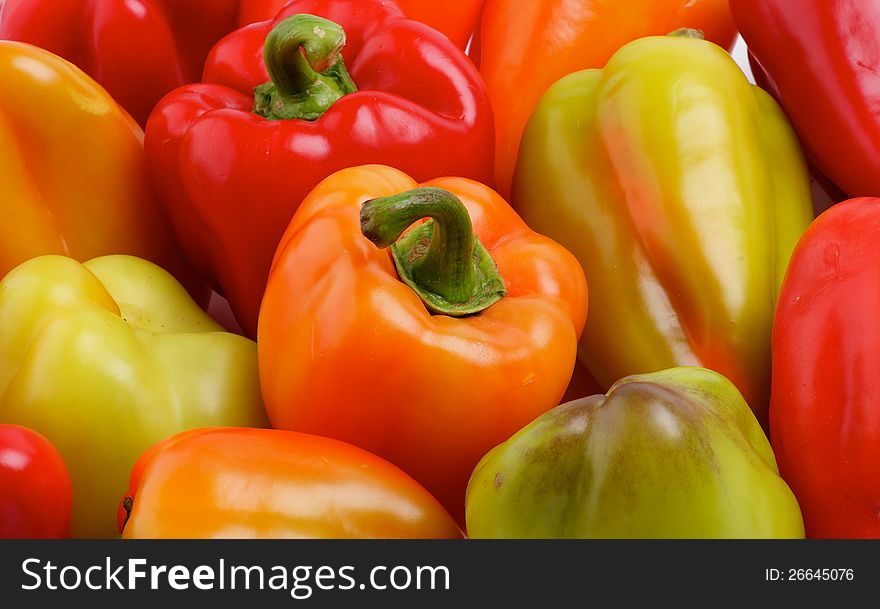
682 190
108 357
672 454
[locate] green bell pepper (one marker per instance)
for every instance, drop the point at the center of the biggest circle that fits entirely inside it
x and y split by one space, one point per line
682 190
672 454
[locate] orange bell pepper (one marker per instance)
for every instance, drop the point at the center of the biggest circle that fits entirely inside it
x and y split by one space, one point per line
263 483
526 46
72 174
430 356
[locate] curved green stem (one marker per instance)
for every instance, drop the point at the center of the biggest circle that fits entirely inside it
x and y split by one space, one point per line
441 260
307 74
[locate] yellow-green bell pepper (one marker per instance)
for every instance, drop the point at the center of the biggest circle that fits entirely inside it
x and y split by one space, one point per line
671 454
108 357
682 190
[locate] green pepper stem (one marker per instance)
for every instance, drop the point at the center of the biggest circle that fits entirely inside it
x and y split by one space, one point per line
441 260
307 74
687 32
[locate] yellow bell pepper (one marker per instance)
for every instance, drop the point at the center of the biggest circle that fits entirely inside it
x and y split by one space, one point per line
72 174
682 190
108 357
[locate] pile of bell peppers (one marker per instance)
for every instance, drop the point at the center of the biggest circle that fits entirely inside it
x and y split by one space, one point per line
392 268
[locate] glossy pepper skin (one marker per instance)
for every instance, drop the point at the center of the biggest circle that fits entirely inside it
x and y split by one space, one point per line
72 174
457 19
526 46
271 484
672 454
232 179
138 50
682 190
130 359
429 392
824 415
35 494
831 96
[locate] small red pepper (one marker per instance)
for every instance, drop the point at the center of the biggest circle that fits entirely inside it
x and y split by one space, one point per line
35 490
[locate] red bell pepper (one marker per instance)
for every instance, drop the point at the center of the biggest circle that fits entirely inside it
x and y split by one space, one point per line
831 93
457 19
138 50
232 169
825 403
